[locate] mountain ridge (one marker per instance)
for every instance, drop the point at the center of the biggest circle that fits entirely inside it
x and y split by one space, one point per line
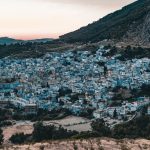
119 26
9 41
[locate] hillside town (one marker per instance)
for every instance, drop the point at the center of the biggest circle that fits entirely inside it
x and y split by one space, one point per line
80 81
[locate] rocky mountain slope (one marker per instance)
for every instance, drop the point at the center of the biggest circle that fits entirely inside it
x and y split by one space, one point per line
131 24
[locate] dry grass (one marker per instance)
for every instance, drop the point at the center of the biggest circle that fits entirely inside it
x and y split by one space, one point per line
88 144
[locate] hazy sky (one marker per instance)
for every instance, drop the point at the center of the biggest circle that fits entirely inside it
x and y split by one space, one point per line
27 19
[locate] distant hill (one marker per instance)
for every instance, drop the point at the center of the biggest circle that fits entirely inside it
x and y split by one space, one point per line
8 41
130 24
40 40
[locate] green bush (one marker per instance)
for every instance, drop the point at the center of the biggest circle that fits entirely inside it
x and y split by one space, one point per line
5 123
18 138
42 132
100 128
138 128
1 137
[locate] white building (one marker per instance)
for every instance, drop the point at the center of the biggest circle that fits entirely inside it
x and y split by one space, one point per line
148 110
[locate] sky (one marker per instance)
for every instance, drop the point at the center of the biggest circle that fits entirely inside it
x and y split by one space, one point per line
30 19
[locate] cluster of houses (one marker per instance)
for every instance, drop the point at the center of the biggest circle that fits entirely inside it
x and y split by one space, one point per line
124 110
36 82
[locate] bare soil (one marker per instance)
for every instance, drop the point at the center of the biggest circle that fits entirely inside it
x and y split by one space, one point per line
88 144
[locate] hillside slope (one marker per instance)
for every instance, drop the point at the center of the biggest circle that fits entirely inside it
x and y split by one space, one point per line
7 41
90 144
131 22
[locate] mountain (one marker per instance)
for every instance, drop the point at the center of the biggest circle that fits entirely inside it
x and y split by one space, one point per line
131 24
8 41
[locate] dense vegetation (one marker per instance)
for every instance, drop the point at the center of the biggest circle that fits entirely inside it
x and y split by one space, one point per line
42 114
142 91
127 53
100 128
19 138
5 123
4 114
113 26
134 52
14 113
124 94
31 50
15 49
43 132
138 128
113 51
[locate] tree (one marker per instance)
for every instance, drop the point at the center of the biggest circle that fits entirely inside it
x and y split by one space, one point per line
105 70
115 113
1 137
18 138
64 91
42 132
144 110
101 63
144 90
138 128
100 128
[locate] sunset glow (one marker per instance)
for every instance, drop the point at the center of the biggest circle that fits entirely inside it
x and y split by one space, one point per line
29 19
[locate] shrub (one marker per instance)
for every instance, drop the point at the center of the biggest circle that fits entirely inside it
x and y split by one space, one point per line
5 123
18 138
42 132
100 128
1 137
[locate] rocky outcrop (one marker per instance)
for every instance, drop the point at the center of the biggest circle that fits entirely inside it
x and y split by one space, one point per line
139 34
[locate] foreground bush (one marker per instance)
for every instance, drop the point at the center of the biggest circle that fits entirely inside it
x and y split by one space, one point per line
1 137
18 138
42 132
5 123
